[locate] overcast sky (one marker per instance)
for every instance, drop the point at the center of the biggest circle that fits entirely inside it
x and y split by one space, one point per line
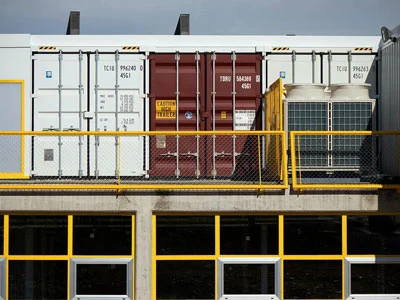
302 17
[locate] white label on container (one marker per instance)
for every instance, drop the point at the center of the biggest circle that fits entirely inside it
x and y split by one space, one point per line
244 119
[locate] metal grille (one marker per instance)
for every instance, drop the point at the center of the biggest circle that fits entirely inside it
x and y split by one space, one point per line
310 116
345 149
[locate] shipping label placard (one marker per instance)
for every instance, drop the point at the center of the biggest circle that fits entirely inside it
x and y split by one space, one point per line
165 109
244 119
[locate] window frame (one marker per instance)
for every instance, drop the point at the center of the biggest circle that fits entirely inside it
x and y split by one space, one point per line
238 260
348 261
101 261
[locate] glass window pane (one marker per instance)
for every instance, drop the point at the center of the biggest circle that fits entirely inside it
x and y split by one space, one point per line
186 279
375 278
102 235
313 279
249 279
38 279
101 279
313 235
249 234
38 235
185 235
373 235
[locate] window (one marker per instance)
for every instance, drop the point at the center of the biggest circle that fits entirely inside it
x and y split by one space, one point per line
258 277
249 234
38 235
313 279
102 235
38 279
193 279
372 277
187 235
107 277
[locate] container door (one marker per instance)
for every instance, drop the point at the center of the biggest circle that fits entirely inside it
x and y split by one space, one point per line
60 94
233 100
294 68
117 102
177 104
351 68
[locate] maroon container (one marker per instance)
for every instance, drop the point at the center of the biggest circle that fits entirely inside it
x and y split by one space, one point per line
201 78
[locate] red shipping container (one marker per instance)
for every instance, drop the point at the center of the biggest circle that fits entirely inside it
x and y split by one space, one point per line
204 92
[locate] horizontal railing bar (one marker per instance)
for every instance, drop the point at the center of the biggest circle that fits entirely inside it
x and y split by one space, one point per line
138 133
140 187
344 133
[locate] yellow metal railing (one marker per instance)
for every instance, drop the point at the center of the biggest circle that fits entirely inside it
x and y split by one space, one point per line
345 159
122 160
274 121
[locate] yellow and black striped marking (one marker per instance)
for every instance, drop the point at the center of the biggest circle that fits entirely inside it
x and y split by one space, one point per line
280 48
47 48
130 48
363 49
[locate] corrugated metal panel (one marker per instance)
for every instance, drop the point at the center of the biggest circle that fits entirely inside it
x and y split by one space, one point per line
228 89
177 88
63 101
117 100
57 106
390 105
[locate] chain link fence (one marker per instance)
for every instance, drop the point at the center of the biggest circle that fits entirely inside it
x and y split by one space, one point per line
143 160
345 159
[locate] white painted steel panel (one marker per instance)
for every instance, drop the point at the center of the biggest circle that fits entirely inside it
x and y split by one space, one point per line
49 115
121 77
171 43
360 69
16 65
281 65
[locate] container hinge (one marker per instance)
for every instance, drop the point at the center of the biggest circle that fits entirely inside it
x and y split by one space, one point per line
51 128
233 93
222 154
188 154
71 129
35 96
233 56
241 154
214 56
197 56
177 56
34 57
293 55
169 154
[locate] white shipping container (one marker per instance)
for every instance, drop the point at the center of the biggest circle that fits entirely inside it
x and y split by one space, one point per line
117 100
327 68
59 100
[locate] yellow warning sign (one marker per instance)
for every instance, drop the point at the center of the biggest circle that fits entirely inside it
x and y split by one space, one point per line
165 109
223 114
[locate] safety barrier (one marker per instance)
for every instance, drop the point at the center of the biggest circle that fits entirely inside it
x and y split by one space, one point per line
123 160
345 159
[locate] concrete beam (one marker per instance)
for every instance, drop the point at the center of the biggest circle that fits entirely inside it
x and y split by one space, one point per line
183 26
74 24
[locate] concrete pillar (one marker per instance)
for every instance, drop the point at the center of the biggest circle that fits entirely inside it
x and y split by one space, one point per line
143 251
